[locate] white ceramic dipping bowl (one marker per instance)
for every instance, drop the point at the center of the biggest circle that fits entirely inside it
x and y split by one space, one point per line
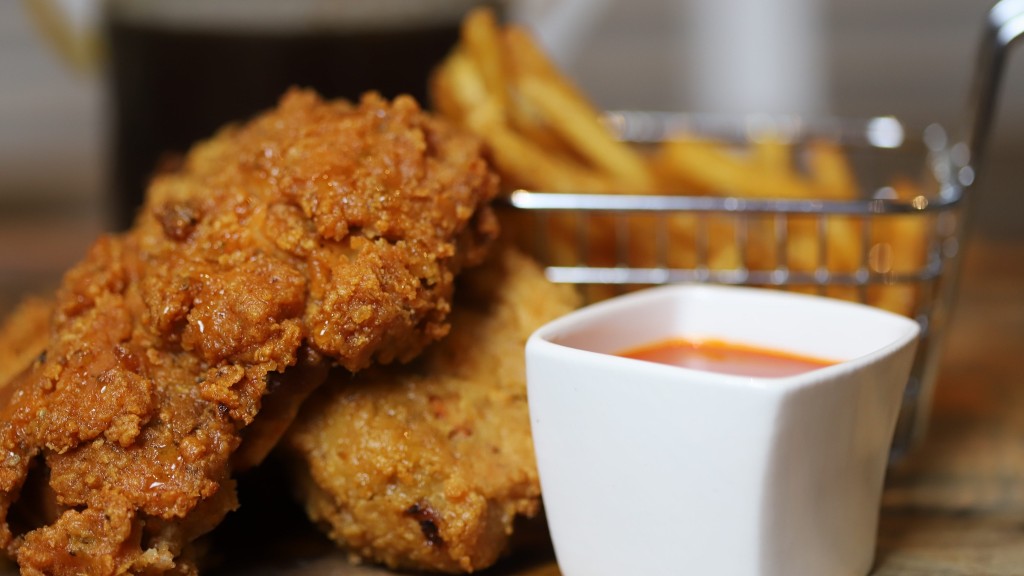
654 469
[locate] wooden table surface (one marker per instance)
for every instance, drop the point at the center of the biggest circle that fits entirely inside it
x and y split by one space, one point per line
955 506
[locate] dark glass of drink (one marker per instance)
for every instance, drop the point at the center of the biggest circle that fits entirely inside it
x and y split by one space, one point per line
179 69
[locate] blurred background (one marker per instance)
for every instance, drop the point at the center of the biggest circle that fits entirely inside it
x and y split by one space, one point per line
913 59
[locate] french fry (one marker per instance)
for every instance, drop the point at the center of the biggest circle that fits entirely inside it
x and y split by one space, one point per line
459 87
832 174
481 40
443 94
582 129
526 58
672 179
712 166
899 246
772 155
531 167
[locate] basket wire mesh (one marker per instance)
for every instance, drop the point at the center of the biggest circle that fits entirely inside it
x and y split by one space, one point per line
592 240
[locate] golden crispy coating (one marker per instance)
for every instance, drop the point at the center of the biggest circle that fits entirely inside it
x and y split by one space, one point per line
23 336
425 466
319 229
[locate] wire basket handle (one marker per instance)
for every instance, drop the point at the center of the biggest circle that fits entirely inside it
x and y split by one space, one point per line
1004 25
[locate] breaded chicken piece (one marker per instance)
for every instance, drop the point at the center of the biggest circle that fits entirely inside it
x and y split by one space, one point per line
425 466
23 336
318 230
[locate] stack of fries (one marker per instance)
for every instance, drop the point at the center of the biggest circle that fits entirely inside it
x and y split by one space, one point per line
544 135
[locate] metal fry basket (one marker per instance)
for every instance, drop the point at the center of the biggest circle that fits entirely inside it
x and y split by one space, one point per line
906 248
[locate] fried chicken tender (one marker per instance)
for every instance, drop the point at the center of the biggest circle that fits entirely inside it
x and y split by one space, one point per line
425 466
23 336
318 230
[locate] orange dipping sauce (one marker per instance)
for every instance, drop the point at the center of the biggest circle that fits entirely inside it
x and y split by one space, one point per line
726 358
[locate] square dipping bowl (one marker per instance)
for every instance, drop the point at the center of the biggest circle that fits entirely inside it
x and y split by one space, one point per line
653 469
